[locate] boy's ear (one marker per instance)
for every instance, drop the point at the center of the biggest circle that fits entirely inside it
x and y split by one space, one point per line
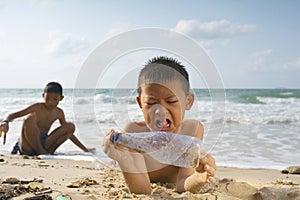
189 101
61 97
138 100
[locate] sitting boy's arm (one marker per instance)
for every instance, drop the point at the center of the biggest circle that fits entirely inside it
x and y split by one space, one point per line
5 124
26 111
73 138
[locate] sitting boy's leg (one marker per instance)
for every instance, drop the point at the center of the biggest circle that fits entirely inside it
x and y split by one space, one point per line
59 136
30 137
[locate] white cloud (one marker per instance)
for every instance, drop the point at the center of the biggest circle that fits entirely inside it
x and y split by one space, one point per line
260 62
62 43
293 65
42 3
3 34
262 53
3 4
116 28
212 29
263 61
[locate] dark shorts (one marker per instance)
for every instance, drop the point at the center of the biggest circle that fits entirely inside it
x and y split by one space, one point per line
43 137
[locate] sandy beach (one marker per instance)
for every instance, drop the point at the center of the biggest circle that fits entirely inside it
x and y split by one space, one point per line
35 178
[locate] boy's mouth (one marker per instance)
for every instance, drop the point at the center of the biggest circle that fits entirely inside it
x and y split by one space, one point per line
163 125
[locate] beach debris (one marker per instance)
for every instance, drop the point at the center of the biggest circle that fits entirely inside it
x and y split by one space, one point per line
82 183
43 165
291 170
11 180
14 180
62 197
36 185
13 187
289 193
39 197
241 190
285 182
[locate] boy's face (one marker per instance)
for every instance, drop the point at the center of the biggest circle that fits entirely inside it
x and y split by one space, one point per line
52 99
164 105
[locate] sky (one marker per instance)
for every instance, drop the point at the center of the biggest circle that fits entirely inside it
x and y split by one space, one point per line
253 44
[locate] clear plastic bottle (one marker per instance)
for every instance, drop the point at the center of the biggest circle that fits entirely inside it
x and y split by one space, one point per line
168 148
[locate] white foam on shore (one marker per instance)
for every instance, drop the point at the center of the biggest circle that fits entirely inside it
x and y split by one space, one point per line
78 157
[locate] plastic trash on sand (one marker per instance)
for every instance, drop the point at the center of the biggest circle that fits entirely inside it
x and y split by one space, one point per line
168 148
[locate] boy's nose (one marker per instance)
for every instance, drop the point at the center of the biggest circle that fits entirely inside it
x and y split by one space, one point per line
160 111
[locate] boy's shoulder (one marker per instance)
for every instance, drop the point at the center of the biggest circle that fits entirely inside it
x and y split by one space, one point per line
41 106
192 127
132 127
191 122
38 105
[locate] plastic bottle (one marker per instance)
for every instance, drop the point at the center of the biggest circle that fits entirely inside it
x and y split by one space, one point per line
168 148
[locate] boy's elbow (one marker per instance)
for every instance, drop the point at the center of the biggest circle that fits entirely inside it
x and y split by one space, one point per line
146 191
139 188
137 183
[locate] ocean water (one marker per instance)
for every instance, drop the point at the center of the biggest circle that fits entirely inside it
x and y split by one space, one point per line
250 128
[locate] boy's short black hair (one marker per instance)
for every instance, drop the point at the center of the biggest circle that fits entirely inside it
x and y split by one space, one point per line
162 69
53 87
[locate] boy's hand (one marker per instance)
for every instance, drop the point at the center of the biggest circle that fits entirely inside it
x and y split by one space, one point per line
115 152
91 150
207 164
107 147
4 127
111 150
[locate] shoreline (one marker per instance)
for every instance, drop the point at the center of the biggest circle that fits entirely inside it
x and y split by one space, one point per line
84 181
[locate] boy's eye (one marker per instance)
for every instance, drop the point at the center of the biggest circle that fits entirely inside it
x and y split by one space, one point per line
171 102
150 103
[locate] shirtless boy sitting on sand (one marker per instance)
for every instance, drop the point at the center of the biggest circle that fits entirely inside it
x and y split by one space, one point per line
35 139
163 96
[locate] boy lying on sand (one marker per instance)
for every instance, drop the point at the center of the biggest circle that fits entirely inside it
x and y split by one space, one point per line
163 96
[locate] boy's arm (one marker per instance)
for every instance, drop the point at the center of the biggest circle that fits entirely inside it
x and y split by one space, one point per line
189 179
135 173
192 180
131 163
183 175
138 181
30 109
21 113
73 138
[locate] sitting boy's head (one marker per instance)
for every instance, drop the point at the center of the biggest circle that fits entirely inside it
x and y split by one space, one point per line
54 87
53 94
163 94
